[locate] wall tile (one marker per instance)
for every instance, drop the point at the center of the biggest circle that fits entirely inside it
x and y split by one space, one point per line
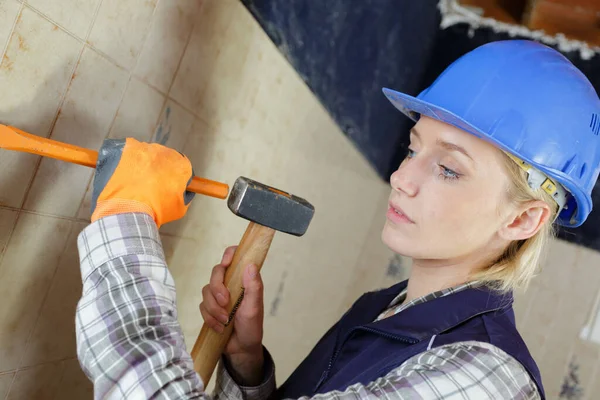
586 277
138 113
191 269
7 223
554 367
584 358
46 342
40 382
43 56
558 266
536 343
5 383
75 15
35 247
171 26
74 385
121 28
9 9
371 271
543 309
209 38
591 391
542 312
570 318
174 127
84 212
522 303
230 83
86 115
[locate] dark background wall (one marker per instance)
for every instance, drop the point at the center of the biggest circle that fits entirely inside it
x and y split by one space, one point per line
347 50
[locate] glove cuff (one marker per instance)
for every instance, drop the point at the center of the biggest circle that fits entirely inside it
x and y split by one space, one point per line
122 206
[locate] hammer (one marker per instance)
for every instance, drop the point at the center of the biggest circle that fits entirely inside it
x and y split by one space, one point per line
268 210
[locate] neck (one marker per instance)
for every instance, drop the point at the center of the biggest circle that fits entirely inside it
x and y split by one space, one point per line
428 276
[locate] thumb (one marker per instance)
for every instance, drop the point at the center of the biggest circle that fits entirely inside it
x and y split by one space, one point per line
252 304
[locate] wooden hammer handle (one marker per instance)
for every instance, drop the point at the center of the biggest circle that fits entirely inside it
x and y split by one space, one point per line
210 345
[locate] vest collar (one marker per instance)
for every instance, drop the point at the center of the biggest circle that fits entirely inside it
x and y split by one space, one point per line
423 320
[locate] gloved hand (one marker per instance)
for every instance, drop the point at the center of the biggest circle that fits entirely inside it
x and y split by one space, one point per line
132 176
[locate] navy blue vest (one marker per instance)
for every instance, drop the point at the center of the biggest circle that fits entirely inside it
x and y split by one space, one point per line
356 349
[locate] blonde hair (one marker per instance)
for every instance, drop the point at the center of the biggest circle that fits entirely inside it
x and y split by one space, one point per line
521 259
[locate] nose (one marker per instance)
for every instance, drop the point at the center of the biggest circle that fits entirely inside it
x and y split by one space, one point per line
402 180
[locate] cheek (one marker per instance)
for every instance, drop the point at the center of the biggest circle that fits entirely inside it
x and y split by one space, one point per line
455 224
451 223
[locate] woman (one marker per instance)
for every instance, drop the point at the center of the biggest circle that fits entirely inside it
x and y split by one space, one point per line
505 143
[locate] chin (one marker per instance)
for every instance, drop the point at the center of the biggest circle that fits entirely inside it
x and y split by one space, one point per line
396 241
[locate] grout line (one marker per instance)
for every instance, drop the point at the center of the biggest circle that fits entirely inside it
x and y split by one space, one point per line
93 23
145 40
88 187
44 299
71 219
591 319
58 109
42 214
12 29
47 18
29 367
168 96
185 48
112 123
3 252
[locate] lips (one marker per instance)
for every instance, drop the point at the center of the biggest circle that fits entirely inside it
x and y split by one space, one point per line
400 212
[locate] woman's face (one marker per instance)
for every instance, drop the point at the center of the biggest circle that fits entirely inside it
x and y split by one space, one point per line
452 189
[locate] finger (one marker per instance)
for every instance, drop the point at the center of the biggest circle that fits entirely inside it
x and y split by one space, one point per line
212 307
228 256
210 321
252 306
217 287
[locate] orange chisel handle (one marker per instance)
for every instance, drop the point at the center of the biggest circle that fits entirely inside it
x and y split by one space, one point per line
15 139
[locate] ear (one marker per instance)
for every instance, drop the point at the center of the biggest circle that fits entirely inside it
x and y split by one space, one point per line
526 221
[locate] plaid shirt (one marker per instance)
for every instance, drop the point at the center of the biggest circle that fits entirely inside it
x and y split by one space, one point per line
130 344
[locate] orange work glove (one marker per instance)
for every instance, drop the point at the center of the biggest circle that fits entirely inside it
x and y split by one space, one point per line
136 177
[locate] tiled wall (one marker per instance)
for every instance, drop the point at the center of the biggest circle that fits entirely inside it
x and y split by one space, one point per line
202 77
199 76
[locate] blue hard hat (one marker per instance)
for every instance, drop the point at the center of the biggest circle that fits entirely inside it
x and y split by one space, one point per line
528 100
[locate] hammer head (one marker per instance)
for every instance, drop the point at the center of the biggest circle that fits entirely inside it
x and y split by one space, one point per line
270 207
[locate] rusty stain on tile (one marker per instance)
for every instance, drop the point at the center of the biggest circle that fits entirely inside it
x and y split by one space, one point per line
7 64
22 44
20 17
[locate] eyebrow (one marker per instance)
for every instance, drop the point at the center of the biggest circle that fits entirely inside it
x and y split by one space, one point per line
447 145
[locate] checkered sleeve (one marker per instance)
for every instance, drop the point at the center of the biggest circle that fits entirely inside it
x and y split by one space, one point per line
227 388
129 342
465 370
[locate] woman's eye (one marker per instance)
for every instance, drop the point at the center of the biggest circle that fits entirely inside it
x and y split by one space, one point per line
447 173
